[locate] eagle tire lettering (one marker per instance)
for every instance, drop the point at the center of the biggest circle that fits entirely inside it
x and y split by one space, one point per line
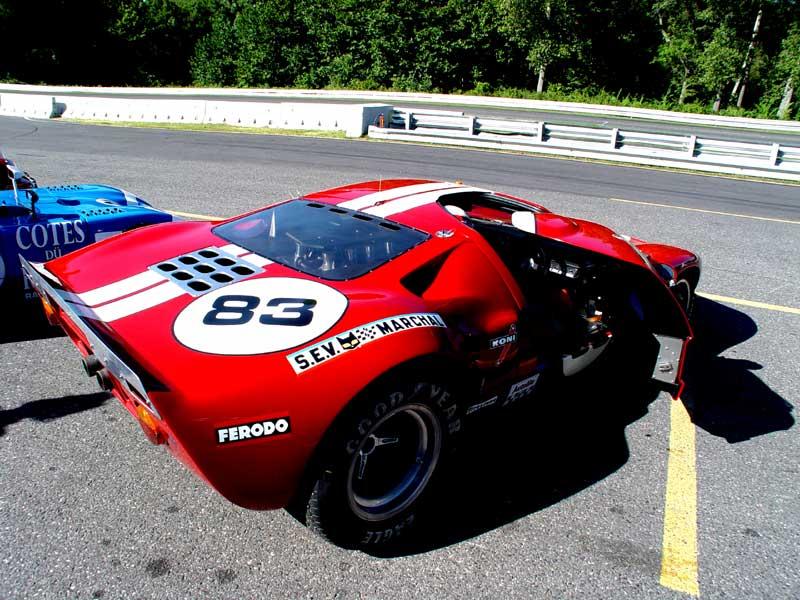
385 535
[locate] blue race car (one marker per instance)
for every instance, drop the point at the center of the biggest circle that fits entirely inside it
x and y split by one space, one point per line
42 223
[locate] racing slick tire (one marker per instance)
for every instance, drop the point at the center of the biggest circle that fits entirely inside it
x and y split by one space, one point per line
383 466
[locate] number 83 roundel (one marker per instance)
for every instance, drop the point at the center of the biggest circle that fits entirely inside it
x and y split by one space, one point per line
259 316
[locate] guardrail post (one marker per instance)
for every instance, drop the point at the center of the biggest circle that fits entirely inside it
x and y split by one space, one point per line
407 120
614 137
776 152
471 124
540 133
692 145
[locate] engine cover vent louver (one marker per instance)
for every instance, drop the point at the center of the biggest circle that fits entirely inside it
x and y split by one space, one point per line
205 270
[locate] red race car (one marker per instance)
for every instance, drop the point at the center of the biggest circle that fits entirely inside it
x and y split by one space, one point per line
322 353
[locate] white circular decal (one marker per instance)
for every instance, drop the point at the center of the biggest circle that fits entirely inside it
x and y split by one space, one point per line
258 316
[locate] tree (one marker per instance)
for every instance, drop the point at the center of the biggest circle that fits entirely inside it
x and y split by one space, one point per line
788 68
737 93
545 29
719 61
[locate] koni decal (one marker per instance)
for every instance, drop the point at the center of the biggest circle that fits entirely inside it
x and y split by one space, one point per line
349 340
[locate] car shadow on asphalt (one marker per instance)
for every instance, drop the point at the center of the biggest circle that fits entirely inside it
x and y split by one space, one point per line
526 458
571 436
723 395
26 323
50 409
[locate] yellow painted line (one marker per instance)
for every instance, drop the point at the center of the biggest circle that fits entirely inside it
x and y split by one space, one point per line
728 300
710 212
679 548
194 216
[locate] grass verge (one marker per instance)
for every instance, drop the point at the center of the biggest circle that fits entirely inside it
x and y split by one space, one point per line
216 128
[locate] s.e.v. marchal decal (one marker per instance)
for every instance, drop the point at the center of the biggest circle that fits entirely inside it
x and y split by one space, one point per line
349 340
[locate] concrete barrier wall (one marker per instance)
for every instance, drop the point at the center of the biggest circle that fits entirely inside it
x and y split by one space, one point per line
353 119
25 105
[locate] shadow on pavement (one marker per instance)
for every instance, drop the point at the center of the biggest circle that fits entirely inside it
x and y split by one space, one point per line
51 408
571 435
28 324
529 457
723 395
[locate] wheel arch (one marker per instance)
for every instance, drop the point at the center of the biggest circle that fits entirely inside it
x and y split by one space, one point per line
442 365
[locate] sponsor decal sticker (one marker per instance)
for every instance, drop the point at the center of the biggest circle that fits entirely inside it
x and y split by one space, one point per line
250 431
521 389
349 340
258 316
480 405
51 238
503 340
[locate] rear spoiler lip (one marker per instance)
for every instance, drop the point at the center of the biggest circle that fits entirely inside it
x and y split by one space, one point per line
38 275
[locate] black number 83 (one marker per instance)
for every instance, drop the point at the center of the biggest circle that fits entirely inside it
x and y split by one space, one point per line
238 310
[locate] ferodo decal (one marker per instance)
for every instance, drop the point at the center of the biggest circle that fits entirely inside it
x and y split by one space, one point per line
258 316
259 429
349 340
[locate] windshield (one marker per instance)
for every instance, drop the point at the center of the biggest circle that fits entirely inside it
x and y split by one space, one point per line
320 239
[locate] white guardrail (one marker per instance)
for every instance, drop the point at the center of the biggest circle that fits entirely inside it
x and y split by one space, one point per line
774 161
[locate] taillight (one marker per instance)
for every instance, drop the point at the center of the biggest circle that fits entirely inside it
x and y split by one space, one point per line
49 310
150 425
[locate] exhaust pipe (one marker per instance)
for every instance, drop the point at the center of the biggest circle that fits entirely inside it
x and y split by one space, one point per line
91 365
104 380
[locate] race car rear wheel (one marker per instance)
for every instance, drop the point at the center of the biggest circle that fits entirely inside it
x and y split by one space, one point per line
383 466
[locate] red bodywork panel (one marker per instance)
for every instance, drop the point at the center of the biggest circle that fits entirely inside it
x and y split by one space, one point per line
197 393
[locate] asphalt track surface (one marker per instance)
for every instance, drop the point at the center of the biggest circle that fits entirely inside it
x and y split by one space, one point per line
560 500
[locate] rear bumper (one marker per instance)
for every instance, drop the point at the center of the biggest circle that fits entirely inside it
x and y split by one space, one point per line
189 436
126 384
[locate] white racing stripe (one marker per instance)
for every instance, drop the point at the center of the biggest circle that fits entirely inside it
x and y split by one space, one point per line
139 302
234 249
120 288
255 259
141 291
415 201
394 193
